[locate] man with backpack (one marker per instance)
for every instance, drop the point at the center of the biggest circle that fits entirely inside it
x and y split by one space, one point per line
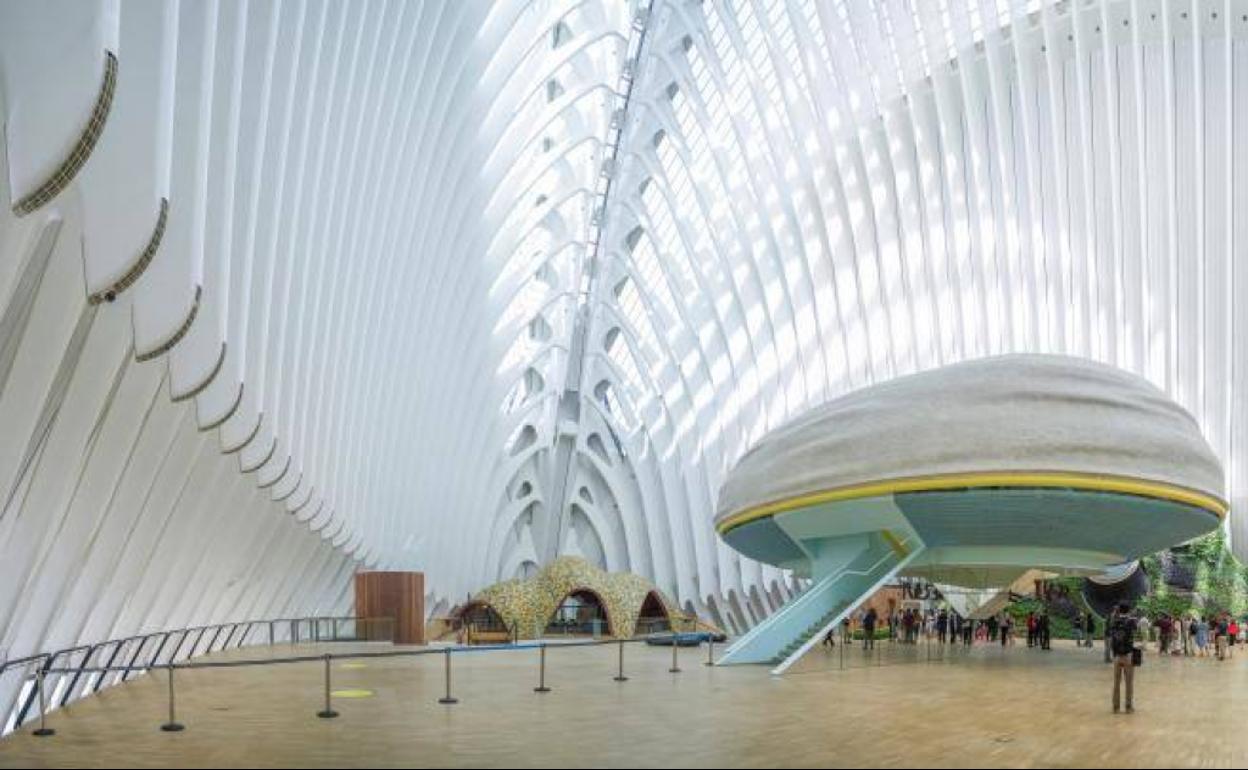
1121 638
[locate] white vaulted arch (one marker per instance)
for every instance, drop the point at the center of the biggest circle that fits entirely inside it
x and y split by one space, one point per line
292 288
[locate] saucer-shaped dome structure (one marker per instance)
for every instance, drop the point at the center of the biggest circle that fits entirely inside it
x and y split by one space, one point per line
1050 454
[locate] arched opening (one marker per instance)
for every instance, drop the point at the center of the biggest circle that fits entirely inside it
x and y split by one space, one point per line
479 623
581 613
653 617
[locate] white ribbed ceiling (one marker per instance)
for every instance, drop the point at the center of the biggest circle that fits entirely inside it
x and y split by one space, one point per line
463 286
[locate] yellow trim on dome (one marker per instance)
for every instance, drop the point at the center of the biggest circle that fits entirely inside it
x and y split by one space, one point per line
1090 482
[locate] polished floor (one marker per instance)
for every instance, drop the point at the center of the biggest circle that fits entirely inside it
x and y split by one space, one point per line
1012 708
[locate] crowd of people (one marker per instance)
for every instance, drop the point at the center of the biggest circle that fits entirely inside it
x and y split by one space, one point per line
1125 636
941 626
1212 636
1202 636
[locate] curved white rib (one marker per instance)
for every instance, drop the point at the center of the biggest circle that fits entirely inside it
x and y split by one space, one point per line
460 286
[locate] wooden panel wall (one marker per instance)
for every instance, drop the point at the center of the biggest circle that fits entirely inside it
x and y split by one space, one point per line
398 595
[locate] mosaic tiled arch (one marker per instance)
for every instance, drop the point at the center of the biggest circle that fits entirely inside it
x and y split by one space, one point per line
527 604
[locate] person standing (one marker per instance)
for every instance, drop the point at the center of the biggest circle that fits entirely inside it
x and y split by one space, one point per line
1031 629
1089 629
868 629
1121 638
1043 630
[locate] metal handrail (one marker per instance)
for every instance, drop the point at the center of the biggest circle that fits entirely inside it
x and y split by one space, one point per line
542 646
46 662
171 665
459 648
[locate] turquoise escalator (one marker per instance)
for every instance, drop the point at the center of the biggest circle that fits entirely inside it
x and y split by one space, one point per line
786 635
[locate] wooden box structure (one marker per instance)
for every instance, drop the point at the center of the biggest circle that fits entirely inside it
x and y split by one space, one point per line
396 595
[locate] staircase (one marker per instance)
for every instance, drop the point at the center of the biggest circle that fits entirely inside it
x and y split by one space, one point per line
814 631
785 636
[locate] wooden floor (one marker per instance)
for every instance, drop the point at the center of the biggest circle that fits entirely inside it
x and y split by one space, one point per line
1015 708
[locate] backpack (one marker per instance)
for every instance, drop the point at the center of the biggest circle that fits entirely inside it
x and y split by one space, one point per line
1121 637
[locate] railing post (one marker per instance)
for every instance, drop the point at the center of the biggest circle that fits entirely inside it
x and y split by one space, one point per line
710 649
328 712
335 627
173 725
213 641
448 700
109 665
159 649
619 676
675 669
541 671
134 658
270 633
195 644
43 731
73 683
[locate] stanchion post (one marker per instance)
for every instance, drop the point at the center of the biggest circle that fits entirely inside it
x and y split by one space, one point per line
173 725
43 731
541 671
675 669
619 676
448 700
328 712
710 649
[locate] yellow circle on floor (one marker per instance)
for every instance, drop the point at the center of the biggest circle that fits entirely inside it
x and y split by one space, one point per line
352 693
